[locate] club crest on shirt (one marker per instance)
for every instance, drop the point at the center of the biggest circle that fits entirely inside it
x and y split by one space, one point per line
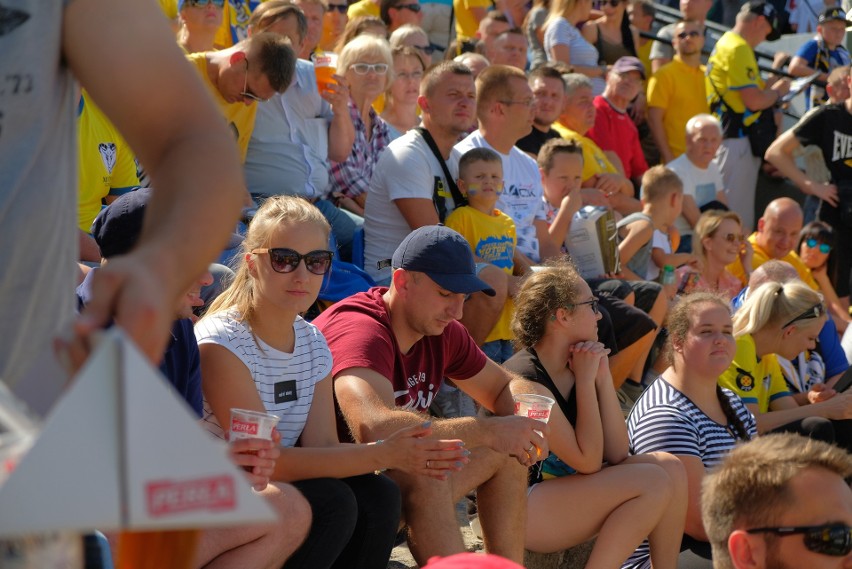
745 381
751 74
107 151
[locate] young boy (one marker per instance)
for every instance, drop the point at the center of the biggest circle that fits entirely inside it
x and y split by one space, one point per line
662 201
490 232
560 163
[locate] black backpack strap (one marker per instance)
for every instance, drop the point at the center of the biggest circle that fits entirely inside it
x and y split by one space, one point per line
458 198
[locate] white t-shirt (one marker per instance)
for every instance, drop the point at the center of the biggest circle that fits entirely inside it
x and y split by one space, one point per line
406 169
522 197
276 374
702 185
562 32
660 240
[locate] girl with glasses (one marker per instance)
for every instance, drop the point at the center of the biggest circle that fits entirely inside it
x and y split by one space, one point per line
717 242
816 242
623 499
257 353
685 412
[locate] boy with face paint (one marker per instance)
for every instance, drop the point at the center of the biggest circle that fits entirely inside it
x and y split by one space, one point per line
490 233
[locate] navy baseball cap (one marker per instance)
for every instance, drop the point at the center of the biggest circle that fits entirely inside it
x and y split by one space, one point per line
444 256
833 13
769 12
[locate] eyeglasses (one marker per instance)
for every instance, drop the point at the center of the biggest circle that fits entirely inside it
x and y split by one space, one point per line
202 3
526 102
341 8
364 68
689 34
593 303
413 7
612 3
427 49
415 75
734 237
824 248
814 311
829 539
245 92
285 260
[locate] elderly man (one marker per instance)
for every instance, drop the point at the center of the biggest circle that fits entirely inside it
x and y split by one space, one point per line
548 89
830 128
737 95
614 130
578 116
694 11
676 91
392 347
780 501
702 181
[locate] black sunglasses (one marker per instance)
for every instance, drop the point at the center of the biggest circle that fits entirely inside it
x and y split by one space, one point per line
413 7
197 3
829 539
592 303
285 260
814 311
342 8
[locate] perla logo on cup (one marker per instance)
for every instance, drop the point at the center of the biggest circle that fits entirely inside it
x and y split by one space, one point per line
538 413
242 427
517 407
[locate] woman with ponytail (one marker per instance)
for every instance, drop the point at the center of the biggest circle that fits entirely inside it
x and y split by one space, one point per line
686 413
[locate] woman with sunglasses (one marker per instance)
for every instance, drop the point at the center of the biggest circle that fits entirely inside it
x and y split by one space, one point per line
612 33
367 65
816 242
588 486
783 319
400 111
717 242
564 42
686 413
257 353
199 20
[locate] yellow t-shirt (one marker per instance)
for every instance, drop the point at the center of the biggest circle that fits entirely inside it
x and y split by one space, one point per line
363 8
761 256
466 24
491 238
240 116
679 90
757 382
643 52
169 8
731 68
107 165
594 160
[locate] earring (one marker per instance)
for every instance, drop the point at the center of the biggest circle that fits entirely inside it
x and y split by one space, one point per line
553 318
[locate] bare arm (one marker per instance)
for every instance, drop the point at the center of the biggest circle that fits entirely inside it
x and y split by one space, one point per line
89 250
341 131
800 68
786 410
758 99
658 132
570 205
177 132
638 234
562 52
417 211
548 247
694 477
780 155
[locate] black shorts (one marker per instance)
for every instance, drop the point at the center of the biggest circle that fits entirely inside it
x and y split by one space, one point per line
633 323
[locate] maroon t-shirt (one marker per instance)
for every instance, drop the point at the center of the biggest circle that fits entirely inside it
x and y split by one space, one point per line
359 334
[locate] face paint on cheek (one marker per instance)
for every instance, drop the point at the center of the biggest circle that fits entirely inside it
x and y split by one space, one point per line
474 189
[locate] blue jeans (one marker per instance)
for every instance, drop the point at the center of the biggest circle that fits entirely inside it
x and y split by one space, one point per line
498 350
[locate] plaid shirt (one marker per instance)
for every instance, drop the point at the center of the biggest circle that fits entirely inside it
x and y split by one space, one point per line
352 177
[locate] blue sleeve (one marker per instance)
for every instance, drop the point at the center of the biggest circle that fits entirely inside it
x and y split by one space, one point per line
808 52
831 350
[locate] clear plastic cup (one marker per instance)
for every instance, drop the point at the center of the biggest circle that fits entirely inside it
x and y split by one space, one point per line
533 406
247 424
325 65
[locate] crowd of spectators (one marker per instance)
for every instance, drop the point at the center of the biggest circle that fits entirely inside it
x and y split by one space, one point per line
440 193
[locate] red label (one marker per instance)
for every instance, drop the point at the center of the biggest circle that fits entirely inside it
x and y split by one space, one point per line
238 426
517 407
538 414
167 497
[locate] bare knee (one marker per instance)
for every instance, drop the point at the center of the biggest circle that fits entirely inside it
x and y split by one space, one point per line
294 513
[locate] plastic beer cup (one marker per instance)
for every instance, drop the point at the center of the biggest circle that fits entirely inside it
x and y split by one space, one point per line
325 65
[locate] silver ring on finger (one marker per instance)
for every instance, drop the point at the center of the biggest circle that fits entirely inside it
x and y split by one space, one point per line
428 465
529 450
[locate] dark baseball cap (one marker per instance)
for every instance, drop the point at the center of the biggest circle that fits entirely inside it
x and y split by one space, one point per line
629 63
833 13
444 256
769 12
117 227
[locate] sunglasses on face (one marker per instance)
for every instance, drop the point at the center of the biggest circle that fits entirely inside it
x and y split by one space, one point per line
592 303
413 7
828 539
341 8
824 248
814 311
611 3
285 260
202 3
734 237
689 34
364 68
245 92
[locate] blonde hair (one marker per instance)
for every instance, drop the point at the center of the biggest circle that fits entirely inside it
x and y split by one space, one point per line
773 303
658 182
276 211
707 226
558 9
366 45
542 293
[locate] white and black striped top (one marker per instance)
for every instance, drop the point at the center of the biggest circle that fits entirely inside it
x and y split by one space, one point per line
666 420
309 363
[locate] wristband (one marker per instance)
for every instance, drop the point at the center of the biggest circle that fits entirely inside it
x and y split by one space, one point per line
379 471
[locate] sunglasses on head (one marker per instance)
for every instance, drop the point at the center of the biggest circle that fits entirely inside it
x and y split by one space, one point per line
285 260
824 248
202 3
829 539
814 311
364 68
341 8
689 34
413 7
